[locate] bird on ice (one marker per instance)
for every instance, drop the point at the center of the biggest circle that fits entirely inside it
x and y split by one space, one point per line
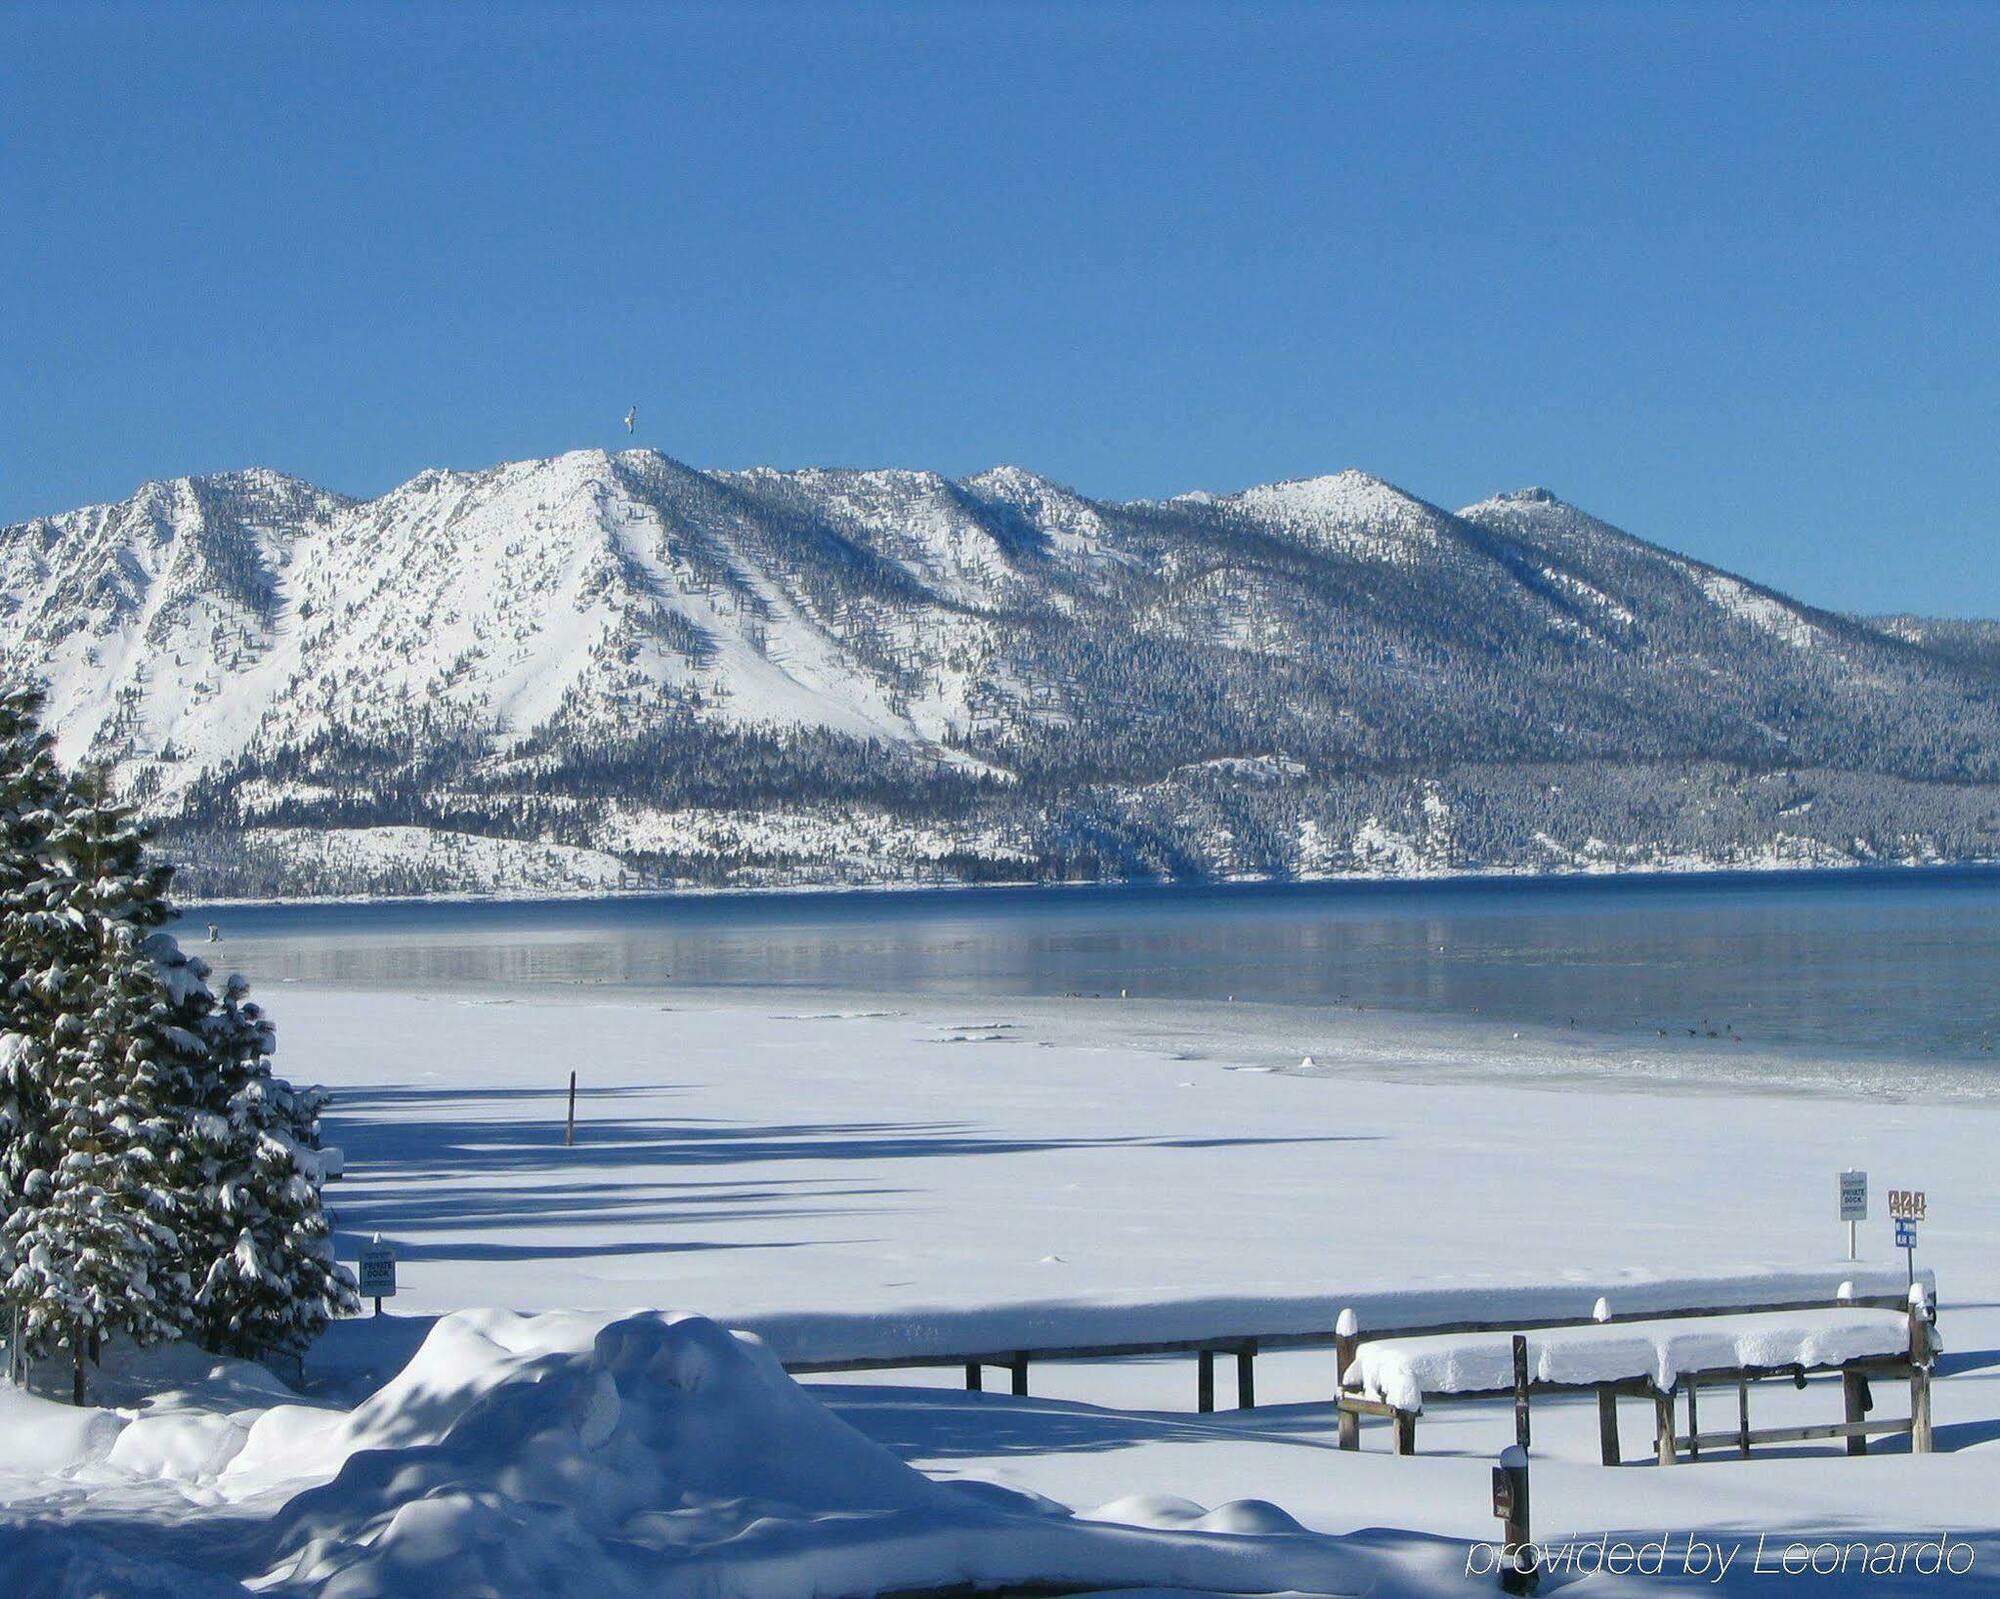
631 416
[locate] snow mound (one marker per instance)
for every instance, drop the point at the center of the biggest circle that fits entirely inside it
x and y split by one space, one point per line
44 1438
1247 1517
492 1464
1242 1517
1149 1510
662 1454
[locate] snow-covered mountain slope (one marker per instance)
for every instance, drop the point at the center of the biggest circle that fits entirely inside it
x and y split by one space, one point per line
987 676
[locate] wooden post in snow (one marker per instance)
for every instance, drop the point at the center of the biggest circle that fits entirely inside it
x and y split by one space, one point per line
1204 1382
1921 1442
974 1379
1607 1398
1518 1575
1346 1345
1521 1390
569 1126
1246 1376
1607 1423
1858 1401
1519 1567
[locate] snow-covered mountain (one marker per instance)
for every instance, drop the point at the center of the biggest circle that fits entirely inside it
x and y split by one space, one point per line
607 668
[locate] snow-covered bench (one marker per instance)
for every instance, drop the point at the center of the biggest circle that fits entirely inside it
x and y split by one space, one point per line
1397 1376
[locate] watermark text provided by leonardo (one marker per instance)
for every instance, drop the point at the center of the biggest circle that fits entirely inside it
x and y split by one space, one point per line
1684 1555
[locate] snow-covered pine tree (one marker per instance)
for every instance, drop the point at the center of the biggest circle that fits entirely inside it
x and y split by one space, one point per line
31 787
261 1244
158 1178
90 1240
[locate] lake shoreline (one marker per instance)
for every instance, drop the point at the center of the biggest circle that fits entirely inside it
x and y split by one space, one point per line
1691 874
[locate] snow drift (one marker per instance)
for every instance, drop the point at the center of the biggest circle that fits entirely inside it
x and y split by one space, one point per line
488 1465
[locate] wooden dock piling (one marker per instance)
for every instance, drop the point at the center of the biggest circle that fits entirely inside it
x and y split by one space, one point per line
1607 1423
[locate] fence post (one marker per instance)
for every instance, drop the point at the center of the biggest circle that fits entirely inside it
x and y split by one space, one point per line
1607 1398
1021 1376
1521 1435
1663 1427
1346 1345
1607 1423
1921 1441
1519 1571
569 1125
1246 1375
1856 1400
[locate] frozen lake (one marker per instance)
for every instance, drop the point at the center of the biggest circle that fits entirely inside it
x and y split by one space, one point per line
1886 978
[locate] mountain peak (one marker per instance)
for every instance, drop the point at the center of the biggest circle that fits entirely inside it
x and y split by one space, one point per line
188 491
1349 492
1534 505
1517 499
1017 486
1349 513
1348 480
1007 479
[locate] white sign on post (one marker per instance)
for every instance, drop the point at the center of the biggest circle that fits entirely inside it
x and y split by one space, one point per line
378 1273
1853 1203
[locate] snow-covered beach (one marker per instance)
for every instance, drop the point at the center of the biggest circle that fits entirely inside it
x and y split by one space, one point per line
847 1177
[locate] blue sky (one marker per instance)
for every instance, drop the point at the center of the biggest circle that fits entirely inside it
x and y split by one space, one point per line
1724 275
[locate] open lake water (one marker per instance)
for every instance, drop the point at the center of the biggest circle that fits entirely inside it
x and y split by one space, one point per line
1877 982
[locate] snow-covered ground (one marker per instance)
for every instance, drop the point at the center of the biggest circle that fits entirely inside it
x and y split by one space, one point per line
843 1177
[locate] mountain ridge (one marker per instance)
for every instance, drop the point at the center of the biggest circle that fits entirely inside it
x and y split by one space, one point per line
846 674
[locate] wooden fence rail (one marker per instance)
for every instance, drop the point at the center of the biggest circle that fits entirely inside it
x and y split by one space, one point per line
1247 1346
